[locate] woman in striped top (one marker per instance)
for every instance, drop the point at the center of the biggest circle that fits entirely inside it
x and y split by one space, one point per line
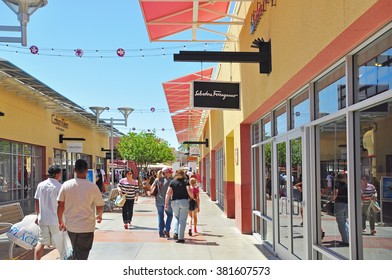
129 187
369 193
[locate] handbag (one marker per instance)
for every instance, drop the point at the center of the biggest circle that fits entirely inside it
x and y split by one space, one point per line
155 191
375 206
120 200
155 186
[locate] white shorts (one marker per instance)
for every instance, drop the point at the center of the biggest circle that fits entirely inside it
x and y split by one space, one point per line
46 233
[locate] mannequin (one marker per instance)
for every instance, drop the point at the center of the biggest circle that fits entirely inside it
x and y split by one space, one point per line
368 142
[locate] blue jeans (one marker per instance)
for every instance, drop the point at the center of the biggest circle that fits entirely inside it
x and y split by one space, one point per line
180 211
161 218
341 214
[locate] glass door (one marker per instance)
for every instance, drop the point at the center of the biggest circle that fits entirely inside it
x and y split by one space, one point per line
290 185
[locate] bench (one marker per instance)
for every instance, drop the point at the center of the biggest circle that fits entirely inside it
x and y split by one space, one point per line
9 214
110 198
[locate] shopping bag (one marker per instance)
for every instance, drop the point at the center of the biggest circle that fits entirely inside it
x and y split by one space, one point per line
63 245
24 233
375 206
120 200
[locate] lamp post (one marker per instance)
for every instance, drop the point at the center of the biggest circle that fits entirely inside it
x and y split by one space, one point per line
126 111
23 9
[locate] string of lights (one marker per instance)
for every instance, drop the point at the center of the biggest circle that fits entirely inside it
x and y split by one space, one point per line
101 53
144 111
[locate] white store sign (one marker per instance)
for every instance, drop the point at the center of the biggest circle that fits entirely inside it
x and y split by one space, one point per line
74 147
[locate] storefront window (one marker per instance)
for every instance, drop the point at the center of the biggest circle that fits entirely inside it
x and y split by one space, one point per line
280 120
333 173
283 216
66 161
376 169
20 173
267 168
331 92
374 68
300 110
267 130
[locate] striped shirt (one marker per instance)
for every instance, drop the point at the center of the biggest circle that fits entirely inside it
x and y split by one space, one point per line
129 188
368 192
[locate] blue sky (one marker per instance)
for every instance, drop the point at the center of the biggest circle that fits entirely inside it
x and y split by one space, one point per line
131 81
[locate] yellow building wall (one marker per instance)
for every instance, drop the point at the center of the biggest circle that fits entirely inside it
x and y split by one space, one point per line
291 26
216 128
298 30
231 158
28 121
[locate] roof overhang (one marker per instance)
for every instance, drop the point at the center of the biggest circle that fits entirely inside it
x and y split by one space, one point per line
23 84
205 21
188 122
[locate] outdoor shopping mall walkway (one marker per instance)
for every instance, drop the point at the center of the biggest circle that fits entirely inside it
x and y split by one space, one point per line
218 238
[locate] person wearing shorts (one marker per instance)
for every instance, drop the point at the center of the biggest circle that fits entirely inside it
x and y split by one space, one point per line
46 210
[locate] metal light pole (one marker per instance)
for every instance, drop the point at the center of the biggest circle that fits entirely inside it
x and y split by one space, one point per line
23 9
126 111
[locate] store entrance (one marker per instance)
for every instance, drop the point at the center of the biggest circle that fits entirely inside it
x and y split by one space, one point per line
290 190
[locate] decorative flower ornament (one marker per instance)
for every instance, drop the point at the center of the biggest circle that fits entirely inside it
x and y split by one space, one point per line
120 52
34 49
79 52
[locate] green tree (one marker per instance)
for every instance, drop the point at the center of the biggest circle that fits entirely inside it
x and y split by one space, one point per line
144 149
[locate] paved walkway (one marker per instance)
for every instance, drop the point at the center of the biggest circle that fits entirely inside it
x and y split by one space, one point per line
218 238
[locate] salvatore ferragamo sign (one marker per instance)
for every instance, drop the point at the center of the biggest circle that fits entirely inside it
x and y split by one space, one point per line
216 95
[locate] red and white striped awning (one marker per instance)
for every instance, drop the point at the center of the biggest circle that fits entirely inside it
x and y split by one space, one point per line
187 121
165 18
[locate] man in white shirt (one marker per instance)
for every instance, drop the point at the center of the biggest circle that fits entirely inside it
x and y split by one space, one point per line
81 203
46 209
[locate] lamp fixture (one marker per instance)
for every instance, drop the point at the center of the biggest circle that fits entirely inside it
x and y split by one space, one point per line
23 9
125 111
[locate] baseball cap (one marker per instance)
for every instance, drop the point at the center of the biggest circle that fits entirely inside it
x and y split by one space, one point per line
167 169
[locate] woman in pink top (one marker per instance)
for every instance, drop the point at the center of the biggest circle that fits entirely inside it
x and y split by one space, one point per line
194 206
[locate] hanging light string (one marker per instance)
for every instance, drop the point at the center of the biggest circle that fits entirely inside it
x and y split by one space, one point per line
142 111
97 53
134 129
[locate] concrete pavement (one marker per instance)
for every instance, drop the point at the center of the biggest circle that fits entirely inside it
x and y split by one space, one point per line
217 238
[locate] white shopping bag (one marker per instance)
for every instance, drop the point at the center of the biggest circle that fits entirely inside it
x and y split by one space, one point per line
24 233
63 245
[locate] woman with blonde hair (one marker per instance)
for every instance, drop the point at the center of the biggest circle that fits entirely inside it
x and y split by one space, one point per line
194 206
179 192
